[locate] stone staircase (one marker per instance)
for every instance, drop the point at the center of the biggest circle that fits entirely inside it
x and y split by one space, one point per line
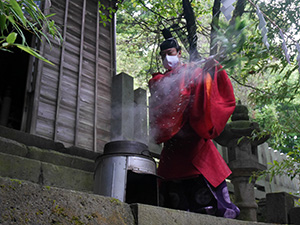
24 202
27 157
42 182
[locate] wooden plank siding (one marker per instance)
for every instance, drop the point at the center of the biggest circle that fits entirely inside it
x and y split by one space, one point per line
73 97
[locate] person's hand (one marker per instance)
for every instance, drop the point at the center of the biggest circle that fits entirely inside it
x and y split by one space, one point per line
209 65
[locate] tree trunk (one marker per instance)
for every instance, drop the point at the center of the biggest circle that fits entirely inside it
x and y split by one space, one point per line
181 35
192 29
214 26
238 11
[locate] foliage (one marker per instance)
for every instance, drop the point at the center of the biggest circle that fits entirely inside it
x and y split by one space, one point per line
290 167
282 120
106 13
271 81
134 49
143 22
275 83
139 25
17 16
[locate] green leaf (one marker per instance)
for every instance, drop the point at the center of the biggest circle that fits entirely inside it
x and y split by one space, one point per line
5 44
250 179
11 20
50 15
11 38
5 49
16 7
2 23
33 52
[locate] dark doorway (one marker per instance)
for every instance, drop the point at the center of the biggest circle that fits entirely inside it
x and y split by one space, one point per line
13 78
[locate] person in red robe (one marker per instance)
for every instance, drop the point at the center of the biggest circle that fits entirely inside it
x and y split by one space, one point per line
189 106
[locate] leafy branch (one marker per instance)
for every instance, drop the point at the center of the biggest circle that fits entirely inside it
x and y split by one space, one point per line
288 167
228 8
16 16
105 13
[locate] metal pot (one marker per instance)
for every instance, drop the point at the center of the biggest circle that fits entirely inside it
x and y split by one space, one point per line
126 171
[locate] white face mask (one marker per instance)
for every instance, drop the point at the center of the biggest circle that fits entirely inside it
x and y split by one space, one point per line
170 61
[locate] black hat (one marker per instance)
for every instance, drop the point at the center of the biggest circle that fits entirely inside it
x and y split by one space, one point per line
170 41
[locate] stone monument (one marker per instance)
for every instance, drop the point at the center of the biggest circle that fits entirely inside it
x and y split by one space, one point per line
241 142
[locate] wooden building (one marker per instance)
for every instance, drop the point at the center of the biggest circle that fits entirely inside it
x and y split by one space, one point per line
69 102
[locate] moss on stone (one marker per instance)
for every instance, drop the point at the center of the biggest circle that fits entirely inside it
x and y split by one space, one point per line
16 180
116 201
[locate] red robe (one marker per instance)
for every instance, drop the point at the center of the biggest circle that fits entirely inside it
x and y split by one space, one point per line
188 108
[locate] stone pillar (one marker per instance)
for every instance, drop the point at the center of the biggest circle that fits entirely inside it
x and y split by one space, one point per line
242 159
278 207
122 108
154 148
244 198
129 110
140 116
294 215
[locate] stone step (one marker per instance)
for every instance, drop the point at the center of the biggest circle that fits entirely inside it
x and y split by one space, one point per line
47 167
43 143
23 202
45 173
12 147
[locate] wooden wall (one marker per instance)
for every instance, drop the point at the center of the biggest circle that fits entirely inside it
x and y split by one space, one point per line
72 101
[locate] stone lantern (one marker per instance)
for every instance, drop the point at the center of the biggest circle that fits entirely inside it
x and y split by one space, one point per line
238 137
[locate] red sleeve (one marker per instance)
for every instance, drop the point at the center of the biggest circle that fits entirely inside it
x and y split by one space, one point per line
169 99
213 103
190 96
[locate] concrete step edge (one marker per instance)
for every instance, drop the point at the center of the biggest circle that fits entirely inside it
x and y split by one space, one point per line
35 171
12 147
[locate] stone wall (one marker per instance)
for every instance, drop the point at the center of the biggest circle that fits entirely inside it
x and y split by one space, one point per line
45 166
